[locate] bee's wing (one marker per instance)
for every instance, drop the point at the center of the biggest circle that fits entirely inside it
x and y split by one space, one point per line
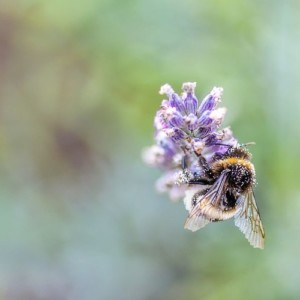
206 209
193 194
248 220
196 222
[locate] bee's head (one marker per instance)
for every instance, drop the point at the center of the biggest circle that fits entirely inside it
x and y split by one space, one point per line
239 151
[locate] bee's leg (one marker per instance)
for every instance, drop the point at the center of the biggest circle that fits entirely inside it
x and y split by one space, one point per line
206 179
185 176
201 181
205 167
184 162
203 163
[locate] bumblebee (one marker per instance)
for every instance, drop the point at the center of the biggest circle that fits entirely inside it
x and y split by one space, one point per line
223 190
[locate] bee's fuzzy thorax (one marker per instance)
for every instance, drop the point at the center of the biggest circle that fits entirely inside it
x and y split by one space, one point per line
241 175
222 164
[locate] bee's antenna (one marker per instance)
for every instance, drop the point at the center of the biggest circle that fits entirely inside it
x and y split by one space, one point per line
238 145
248 144
220 144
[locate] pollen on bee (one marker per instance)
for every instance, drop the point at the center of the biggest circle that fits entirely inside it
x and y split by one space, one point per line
242 172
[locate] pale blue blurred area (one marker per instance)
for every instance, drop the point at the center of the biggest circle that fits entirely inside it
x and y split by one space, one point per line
79 214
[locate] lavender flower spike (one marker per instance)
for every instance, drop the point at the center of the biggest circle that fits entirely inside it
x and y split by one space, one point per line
185 128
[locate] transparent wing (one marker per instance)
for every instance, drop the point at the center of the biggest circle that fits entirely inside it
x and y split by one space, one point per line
248 220
207 206
193 195
196 222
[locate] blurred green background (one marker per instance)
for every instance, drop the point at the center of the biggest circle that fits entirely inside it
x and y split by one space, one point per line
79 215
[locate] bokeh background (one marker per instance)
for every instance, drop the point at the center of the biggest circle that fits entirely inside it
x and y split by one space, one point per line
79 81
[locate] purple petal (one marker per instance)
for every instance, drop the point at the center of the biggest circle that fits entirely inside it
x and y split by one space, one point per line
205 120
172 116
175 101
189 98
191 121
166 143
176 120
212 118
176 134
203 132
210 101
190 103
179 134
212 139
159 121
